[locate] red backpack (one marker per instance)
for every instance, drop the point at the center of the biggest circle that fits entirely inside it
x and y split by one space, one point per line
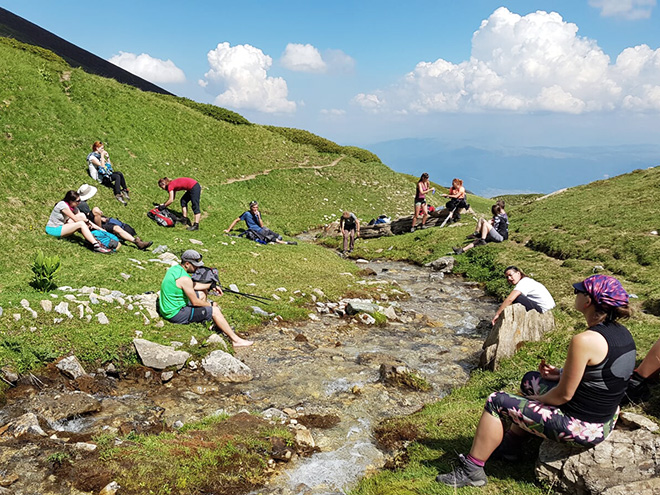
164 218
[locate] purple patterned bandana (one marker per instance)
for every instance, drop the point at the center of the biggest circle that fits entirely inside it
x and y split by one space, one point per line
605 290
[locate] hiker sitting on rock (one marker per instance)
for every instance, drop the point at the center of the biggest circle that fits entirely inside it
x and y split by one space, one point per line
181 303
192 195
99 160
578 403
526 291
255 227
494 230
349 226
65 220
456 201
114 226
422 189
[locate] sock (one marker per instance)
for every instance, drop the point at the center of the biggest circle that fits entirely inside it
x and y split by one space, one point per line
475 461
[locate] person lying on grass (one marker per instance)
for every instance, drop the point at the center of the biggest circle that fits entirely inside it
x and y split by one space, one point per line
526 291
578 403
65 220
494 230
255 227
180 302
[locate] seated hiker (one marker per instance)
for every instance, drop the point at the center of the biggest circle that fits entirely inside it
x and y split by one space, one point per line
526 291
192 195
494 230
181 303
256 230
114 226
349 226
578 403
65 219
638 387
101 169
456 201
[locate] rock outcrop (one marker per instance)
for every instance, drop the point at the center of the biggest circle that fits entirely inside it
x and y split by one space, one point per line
226 368
159 356
515 326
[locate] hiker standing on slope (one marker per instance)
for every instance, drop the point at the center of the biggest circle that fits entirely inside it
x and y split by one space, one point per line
349 226
578 403
180 302
99 160
192 195
423 187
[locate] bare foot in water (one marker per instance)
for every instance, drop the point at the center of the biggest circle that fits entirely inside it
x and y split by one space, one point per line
242 343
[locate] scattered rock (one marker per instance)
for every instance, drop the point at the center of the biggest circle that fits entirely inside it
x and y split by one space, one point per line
159 356
443 265
226 368
304 438
63 309
258 311
362 261
366 318
110 488
84 446
166 376
46 305
195 241
56 406
634 421
103 320
396 375
274 413
71 367
24 425
390 313
193 341
355 306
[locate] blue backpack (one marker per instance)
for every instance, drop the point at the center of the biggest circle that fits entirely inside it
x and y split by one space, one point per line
109 240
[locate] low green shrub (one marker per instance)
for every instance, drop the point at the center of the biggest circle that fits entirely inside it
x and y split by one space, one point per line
213 111
300 136
45 268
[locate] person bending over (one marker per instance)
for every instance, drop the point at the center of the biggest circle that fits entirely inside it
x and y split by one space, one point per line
255 227
181 303
349 226
192 195
65 220
526 291
99 160
576 404
494 230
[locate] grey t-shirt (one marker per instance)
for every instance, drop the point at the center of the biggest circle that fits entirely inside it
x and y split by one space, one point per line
57 218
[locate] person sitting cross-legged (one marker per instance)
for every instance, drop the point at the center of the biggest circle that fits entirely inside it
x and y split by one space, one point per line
179 301
256 229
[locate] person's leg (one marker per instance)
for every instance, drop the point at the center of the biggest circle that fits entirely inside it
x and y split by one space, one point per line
122 181
121 233
352 239
116 182
529 305
651 363
425 214
418 208
483 232
222 324
71 227
185 199
195 197
345 234
488 436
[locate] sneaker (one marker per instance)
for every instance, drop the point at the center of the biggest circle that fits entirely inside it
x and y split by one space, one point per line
474 235
457 250
186 221
465 474
125 194
424 227
194 226
292 243
412 230
120 198
638 390
480 242
100 248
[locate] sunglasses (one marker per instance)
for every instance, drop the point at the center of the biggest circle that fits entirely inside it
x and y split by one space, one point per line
576 291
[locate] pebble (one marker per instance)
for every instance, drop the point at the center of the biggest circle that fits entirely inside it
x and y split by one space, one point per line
103 320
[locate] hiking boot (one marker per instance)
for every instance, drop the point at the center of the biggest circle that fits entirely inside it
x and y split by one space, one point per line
142 244
125 194
424 227
194 226
186 221
457 250
120 198
100 248
474 235
480 242
293 243
638 390
465 474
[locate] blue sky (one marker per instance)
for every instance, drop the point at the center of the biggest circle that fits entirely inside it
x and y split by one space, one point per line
484 73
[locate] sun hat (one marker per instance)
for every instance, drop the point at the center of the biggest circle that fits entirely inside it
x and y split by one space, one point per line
605 290
193 257
86 191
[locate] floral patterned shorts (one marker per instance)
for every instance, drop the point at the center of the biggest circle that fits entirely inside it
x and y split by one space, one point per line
543 420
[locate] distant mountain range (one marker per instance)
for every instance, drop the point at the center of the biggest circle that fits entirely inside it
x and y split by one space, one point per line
492 171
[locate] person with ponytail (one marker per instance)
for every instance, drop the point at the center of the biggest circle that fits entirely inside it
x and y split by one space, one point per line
578 403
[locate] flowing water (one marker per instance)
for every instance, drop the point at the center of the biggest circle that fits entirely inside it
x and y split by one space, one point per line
329 368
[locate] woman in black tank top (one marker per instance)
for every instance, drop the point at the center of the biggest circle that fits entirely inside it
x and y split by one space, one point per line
578 403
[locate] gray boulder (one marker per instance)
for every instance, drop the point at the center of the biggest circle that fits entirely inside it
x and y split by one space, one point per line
514 326
26 424
159 356
226 368
628 462
355 306
71 367
443 265
56 406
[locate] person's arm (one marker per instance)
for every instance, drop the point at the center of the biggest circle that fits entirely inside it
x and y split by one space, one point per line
169 201
232 225
98 164
341 224
186 284
584 347
357 225
507 302
261 222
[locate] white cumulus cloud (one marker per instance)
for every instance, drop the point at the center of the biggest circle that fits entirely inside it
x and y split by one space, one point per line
627 9
308 58
302 58
530 63
242 72
149 68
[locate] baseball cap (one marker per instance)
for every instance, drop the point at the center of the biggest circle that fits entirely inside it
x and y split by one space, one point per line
605 290
192 257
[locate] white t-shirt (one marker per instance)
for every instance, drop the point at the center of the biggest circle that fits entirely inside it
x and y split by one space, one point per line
57 218
536 292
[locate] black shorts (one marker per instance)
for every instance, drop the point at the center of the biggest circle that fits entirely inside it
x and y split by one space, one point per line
192 196
191 314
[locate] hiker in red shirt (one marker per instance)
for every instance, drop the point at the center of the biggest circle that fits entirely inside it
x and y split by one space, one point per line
192 195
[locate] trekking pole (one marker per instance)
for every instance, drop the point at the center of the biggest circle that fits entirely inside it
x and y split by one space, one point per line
254 297
451 214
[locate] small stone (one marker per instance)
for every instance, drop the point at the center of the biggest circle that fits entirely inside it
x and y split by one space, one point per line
110 488
166 376
103 320
125 276
16 316
87 447
361 261
160 324
233 287
366 318
177 424
281 289
138 333
176 344
313 317
192 365
46 305
193 341
195 241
